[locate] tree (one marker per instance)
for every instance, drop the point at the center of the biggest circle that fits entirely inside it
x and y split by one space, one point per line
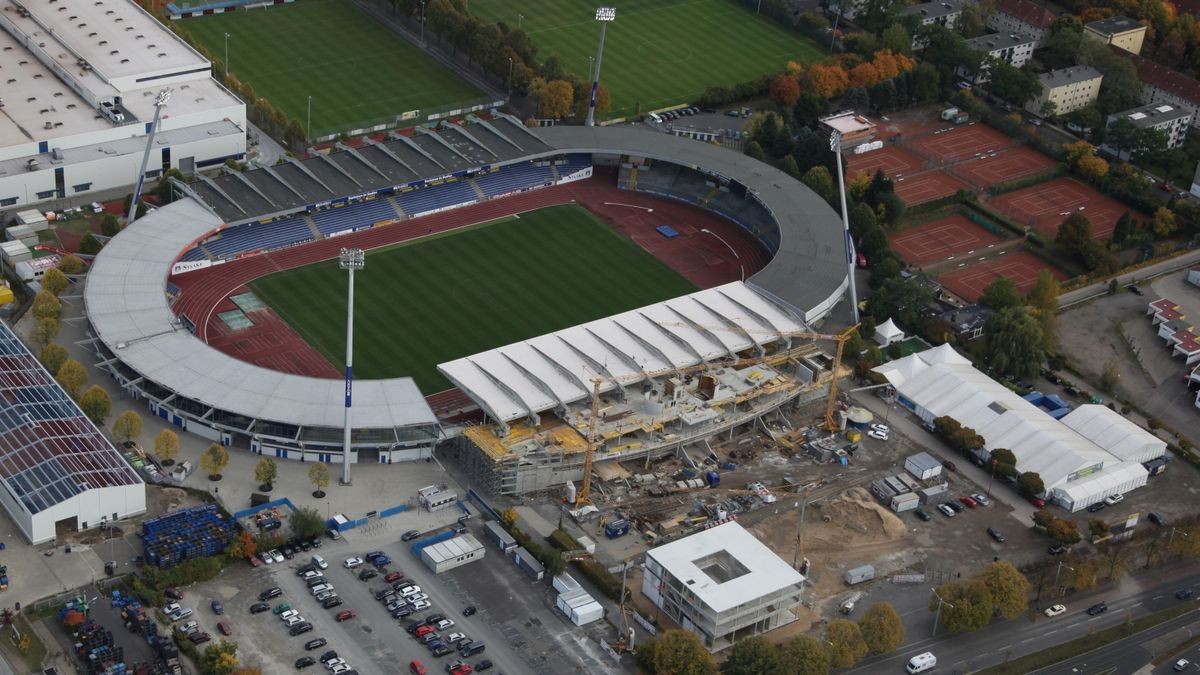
55 281
1098 528
1012 84
805 654
828 80
679 652
72 376
307 522
1064 531
1092 167
862 217
46 305
1075 234
895 38
554 99
90 245
318 475
819 181
1004 456
127 426
53 357
214 460
219 659
44 331
788 166
265 472
785 90
1030 484
1122 229
1110 377
242 546
847 646
96 404
1008 587
71 264
754 151
166 446
1001 294
754 656
1043 302
1116 560
109 225
967 605
888 268
1013 342
1163 224
882 629
1043 519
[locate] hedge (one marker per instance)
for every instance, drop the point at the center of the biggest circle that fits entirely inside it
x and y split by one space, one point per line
996 216
563 541
926 207
606 581
1057 171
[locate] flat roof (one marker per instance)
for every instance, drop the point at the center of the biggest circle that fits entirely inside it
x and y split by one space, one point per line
848 122
761 571
1114 24
453 548
928 10
998 41
126 302
1152 114
1065 76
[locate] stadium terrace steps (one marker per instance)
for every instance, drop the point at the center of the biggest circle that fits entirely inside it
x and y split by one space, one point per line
396 205
312 227
478 190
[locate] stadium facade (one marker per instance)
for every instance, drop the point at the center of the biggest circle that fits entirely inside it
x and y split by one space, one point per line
154 353
80 82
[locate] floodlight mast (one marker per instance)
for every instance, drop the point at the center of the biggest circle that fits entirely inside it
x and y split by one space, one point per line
835 144
160 102
349 259
605 15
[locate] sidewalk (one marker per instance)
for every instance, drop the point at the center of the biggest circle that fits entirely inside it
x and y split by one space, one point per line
1157 269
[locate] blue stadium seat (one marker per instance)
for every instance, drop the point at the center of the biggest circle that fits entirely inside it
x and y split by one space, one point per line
262 236
436 197
194 254
356 215
516 177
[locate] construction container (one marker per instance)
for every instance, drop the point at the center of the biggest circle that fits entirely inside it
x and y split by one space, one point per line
528 564
617 528
908 481
580 607
436 501
452 553
497 534
933 493
923 466
1156 466
897 486
587 544
430 541
14 252
860 574
566 584
905 502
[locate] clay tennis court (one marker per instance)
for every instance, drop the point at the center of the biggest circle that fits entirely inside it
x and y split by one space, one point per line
1021 267
894 160
1006 165
961 142
928 186
941 239
1044 206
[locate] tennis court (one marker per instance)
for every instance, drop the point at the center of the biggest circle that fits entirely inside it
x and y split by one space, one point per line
1044 206
928 186
1006 165
960 143
943 239
892 159
1021 267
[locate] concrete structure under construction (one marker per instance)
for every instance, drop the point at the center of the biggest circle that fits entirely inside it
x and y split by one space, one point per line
722 584
666 385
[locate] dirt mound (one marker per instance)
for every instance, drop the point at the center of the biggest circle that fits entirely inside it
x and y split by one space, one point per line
858 512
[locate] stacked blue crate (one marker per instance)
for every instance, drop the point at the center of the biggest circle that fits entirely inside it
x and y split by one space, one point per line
185 534
355 215
260 237
436 197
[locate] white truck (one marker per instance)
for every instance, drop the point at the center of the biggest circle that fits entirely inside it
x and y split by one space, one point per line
921 663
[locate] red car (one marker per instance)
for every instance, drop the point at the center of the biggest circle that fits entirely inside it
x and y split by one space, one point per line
225 627
464 669
968 501
422 631
1038 502
416 668
346 615
394 576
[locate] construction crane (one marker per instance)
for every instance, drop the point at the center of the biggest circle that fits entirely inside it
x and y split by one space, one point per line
160 102
585 492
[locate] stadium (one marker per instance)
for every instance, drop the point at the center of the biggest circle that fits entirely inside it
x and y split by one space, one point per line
175 301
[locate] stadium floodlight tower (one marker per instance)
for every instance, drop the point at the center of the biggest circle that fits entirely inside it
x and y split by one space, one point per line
605 15
159 103
835 144
350 259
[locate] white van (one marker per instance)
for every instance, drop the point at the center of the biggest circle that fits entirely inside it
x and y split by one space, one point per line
921 663
654 118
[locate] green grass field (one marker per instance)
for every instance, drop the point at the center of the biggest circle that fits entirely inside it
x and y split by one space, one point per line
657 52
434 300
356 70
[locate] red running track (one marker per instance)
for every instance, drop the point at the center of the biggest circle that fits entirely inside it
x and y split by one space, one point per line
725 253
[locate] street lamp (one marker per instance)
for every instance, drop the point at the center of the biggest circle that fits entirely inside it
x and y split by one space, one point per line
835 144
422 23
350 259
227 55
1058 571
938 617
605 15
1171 538
510 65
520 19
308 126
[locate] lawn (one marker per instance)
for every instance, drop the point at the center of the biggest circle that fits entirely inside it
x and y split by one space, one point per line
356 70
657 52
433 300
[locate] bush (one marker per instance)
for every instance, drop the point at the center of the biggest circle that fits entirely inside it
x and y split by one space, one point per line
563 541
606 581
926 207
1154 423
1018 183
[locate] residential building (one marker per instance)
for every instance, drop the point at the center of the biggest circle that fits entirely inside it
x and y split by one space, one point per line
1068 89
1171 120
1118 31
942 12
1014 49
967 322
1161 84
82 81
722 583
1022 17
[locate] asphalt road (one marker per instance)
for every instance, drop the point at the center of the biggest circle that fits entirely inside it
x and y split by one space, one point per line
1123 656
1006 640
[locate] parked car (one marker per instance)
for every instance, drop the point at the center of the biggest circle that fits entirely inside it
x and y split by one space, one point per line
287 613
982 500
877 435
995 534
305 569
410 535
881 428
381 561
423 630
1038 502
217 607
1057 549
351 563
1133 288
1181 665
439 652
968 501
277 556
420 605
346 615
1183 594
300 629
922 514
946 510
1098 506
1097 609
384 594
394 575
314 581
313 574
1055 610
403 611
445 623
314 643
293 620
225 627
259 608
1113 500
958 508
272 592
320 562
304 662
328 656
199 638
470 609
283 608
483 665
1156 519
327 595
367 574
330 603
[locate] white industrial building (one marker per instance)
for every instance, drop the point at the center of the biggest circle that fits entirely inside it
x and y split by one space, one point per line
1090 454
446 555
722 584
56 468
80 80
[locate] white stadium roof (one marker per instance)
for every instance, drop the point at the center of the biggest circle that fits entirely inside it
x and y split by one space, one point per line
127 305
539 374
1076 459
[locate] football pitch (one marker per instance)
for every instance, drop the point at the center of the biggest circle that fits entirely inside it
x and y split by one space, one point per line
657 52
436 299
356 70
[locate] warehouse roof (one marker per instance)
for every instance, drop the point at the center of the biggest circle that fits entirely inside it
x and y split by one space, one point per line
725 566
1108 429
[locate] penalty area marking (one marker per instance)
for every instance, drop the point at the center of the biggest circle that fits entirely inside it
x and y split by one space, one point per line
632 206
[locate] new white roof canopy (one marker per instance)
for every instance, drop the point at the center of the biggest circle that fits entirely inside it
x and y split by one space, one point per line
549 371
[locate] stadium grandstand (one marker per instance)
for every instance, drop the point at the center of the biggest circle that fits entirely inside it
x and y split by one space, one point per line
150 348
57 468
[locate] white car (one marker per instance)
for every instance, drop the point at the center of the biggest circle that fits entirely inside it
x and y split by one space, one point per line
293 620
877 435
289 614
276 556
410 591
320 562
322 597
313 575
319 589
947 511
333 663
420 605
339 668
1055 610
1113 500
351 563
266 557
445 623
1181 665
456 637
982 500
417 598
881 428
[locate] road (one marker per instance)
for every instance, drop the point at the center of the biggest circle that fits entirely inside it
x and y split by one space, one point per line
1126 655
1009 639
1179 262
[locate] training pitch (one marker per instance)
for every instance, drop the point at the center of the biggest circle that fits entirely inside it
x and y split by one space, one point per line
658 52
440 298
356 70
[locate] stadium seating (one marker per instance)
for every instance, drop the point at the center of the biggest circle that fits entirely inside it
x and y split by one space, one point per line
436 197
256 237
574 163
514 177
356 215
194 254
